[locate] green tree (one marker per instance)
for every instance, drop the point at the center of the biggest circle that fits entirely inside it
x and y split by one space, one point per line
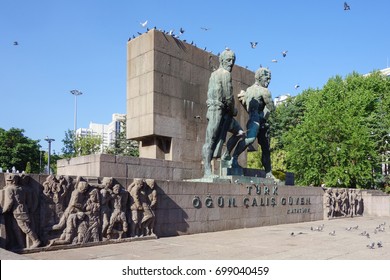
80 145
68 150
87 145
123 146
17 150
336 142
28 167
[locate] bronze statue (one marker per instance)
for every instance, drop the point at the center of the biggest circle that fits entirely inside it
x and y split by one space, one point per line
220 111
258 103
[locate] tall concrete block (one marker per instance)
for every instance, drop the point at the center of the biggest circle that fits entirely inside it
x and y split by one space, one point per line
174 76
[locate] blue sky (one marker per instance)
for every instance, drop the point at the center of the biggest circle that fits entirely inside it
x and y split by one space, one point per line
81 44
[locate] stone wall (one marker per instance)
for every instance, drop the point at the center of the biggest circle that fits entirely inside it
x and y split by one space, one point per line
189 207
167 83
102 165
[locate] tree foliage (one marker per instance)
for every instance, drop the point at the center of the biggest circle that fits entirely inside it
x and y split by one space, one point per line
123 146
18 150
77 145
68 150
337 136
87 145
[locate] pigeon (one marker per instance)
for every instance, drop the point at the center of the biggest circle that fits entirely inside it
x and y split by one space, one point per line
363 233
348 229
371 246
16 43
379 244
274 61
253 44
356 227
143 24
284 53
333 233
346 6
296 86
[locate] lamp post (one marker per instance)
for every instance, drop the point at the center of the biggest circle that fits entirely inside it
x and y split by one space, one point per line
76 93
49 140
40 161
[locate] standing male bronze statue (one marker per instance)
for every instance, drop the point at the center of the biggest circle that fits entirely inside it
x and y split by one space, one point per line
220 111
257 101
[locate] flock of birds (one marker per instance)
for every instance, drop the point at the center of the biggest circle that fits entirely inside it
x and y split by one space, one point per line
253 44
371 245
181 31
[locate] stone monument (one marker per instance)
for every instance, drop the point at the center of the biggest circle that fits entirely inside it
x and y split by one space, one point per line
106 198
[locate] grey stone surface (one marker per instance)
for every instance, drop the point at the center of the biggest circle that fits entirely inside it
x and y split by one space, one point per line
167 84
259 243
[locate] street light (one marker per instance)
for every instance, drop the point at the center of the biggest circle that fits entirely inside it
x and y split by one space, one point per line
76 93
40 161
49 140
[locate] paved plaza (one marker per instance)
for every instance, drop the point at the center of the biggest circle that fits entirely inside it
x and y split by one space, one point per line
281 242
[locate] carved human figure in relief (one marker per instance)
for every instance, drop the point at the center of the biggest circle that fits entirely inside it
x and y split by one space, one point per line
135 206
54 194
120 198
76 203
70 233
352 201
92 209
257 101
149 201
106 203
220 111
16 201
328 203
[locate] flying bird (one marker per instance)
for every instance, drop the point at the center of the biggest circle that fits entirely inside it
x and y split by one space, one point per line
296 86
197 117
371 246
253 44
346 6
274 61
181 31
143 24
379 244
333 233
284 53
16 43
205 28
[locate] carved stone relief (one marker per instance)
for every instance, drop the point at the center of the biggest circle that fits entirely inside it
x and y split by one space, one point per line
343 202
74 211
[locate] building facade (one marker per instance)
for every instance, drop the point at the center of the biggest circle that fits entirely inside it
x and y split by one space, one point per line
107 132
